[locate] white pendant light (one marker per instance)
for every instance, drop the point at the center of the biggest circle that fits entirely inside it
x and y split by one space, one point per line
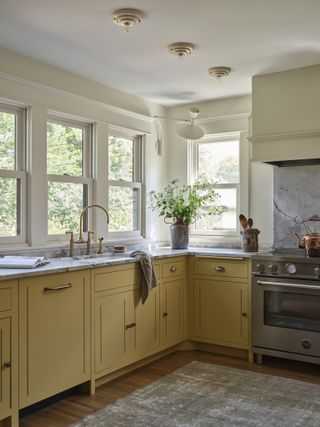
187 129
190 130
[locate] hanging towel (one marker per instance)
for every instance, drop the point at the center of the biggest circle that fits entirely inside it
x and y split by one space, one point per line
149 280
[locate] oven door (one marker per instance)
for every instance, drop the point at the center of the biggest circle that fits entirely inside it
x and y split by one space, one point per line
286 315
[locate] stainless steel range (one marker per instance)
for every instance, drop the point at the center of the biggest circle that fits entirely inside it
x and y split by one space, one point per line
286 306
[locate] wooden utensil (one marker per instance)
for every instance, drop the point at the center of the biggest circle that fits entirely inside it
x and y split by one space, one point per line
243 221
250 222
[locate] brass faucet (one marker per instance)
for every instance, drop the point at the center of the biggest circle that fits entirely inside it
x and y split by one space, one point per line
80 240
89 233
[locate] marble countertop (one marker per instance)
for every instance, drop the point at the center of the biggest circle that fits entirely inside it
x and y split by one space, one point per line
62 265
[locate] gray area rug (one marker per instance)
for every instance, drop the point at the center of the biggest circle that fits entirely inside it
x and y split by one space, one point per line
202 394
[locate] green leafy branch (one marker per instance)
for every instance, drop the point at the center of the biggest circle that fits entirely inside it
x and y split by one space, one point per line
185 203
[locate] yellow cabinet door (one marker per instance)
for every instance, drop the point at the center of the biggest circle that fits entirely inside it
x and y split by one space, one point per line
114 330
221 311
5 369
171 312
147 336
54 339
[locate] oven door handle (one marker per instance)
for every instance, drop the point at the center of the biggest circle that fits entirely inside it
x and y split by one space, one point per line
287 285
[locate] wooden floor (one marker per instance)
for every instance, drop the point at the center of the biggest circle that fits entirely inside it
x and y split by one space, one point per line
71 409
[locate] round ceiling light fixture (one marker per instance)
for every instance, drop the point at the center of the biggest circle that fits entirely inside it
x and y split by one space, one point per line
219 72
181 49
127 18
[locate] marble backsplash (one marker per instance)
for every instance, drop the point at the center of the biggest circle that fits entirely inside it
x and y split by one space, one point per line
296 197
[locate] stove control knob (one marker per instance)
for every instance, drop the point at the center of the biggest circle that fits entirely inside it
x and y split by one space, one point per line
273 268
306 344
291 268
317 271
261 268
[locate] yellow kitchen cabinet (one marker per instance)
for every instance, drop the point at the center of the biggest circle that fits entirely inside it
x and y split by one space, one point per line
221 301
113 322
147 334
221 311
54 338
172 312
9 353
5 371
125 330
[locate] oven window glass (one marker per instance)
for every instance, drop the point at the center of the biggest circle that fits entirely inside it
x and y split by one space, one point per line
292 310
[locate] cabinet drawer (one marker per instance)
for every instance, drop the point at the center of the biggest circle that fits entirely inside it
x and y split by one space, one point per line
5 299
172 269
117 278
221 268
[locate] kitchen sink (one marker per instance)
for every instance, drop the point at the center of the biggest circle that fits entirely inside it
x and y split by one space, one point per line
99 258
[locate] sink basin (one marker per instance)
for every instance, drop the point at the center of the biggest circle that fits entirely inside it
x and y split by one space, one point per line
99 258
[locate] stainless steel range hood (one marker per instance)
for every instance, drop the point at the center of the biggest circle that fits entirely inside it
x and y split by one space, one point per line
286 117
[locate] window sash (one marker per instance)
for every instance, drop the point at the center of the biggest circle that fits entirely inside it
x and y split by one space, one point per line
73 180
222 231
85 179
18 172
136 183
130 185
193 166
21 206
86 142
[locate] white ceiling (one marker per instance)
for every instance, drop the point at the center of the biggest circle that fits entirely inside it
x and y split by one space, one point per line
250 36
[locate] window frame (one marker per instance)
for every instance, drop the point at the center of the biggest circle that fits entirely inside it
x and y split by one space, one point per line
137 183
85 179
19 172
193 162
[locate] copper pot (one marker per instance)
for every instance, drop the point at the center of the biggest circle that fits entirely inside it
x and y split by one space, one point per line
311 244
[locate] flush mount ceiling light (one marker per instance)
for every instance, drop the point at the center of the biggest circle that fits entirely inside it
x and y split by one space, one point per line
219 72
187 129
127 18
181 49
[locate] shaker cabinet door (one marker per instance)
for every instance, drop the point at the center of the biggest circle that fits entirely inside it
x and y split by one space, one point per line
113 332
221 311
146 323
172 312
5 369
54 339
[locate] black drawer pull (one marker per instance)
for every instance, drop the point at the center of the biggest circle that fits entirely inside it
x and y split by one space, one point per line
57 288
165 314
7 365
131 325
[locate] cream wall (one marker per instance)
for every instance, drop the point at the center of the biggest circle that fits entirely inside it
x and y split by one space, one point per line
42 89
227 115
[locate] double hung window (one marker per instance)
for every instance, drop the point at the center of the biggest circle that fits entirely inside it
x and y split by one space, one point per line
217 157
125 184
12 175
69 174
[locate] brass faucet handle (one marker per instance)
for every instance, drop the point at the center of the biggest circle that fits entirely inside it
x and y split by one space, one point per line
71 234
89 234
100 250
71 242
